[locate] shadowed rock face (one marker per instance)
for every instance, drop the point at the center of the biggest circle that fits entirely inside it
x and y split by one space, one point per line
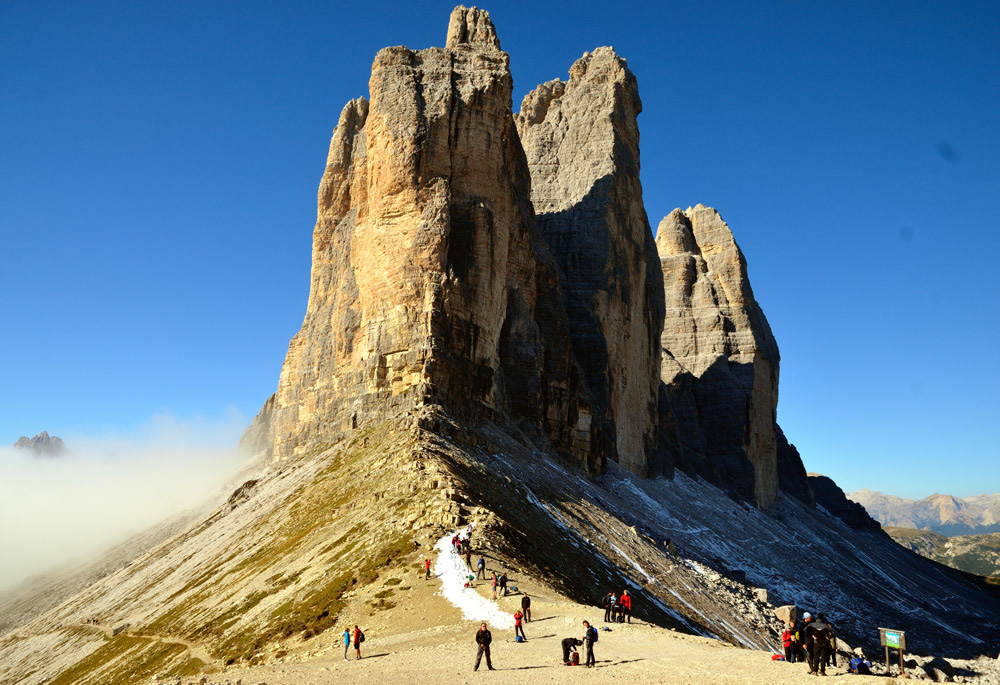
720 360
42 445
581 139
429 280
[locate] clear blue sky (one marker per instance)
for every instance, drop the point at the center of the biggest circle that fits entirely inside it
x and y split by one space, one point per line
160 164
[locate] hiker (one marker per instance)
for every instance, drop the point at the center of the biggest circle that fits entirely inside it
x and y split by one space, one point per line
831 659
625 610
526 607
481 568
493 584
819 634
589 638
569 643
427 569
347 642
503 583
483 639
518 626
468 558
359 637
788 642
805 645
606 604
612 605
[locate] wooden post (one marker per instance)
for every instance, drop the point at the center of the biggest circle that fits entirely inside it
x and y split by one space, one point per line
902 671
888 665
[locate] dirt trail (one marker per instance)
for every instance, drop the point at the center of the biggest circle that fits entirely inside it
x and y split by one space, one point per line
197 651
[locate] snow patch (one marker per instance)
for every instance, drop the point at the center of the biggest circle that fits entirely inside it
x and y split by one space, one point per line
453 573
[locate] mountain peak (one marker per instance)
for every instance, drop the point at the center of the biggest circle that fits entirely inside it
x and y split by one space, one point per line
42 445
471 26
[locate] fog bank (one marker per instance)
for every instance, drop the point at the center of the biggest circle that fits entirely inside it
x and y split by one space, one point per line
68 508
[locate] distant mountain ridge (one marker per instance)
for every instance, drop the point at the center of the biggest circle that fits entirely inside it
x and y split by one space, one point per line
944 514
42 445
979 554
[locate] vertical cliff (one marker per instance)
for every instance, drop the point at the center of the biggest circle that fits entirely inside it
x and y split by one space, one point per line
720 360
430 282
581 139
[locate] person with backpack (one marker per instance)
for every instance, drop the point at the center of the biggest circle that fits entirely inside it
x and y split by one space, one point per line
804 642
819 635
570 643
347 642
481 568
589 638
468 558
503 583
519 626
625 610
526 607
483 640
606 605
359 637
788 642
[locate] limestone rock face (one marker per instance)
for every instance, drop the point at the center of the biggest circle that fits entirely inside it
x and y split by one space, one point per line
430 283
720 360
42 445
581 139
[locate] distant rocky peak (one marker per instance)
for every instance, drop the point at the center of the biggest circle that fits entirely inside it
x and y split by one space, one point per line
42 445
471 26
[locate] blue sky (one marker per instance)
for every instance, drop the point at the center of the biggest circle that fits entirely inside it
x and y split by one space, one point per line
160 164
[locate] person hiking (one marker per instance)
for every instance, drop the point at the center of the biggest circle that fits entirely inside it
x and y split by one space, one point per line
606 605
503 583
589 638
347 642
468 558
493 584
803 638
613 605
569 643
625 611
483 640
519 626
359 637
481 568
819 634
526 607
427 569
788 642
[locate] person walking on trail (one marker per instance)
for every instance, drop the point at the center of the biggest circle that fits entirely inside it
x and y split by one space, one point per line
589 638
820 635
569 643
606 603
347 642
359 637
483 639
503 583
468 558
788 642
805 640
493 584
427 568
481 568
526 607
519 625
626 607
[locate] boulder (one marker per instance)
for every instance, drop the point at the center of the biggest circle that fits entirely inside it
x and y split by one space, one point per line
939 670
788 613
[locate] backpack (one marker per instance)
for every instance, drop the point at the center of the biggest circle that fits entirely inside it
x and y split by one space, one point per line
593 634
574 659
859 666
361 637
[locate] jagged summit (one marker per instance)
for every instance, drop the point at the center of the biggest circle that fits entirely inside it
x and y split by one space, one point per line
471 26
42 445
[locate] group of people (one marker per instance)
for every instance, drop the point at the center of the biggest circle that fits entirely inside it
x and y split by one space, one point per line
570 644
810 640
356 638
617 609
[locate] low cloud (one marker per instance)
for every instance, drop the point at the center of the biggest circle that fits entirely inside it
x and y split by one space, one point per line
69 508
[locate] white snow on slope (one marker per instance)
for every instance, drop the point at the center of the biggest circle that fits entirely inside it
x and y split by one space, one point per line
452 572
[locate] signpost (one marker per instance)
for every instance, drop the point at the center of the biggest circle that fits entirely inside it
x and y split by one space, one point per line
895 639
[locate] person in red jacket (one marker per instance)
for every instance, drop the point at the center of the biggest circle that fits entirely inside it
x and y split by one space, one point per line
519 626
427 569
359 637
625 603
788 642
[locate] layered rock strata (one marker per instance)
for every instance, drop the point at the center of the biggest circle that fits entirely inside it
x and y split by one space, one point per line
430 282
581 139
720 360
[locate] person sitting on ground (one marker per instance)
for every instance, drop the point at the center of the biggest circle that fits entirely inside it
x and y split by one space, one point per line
569 643
483 640
526 607
519 626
